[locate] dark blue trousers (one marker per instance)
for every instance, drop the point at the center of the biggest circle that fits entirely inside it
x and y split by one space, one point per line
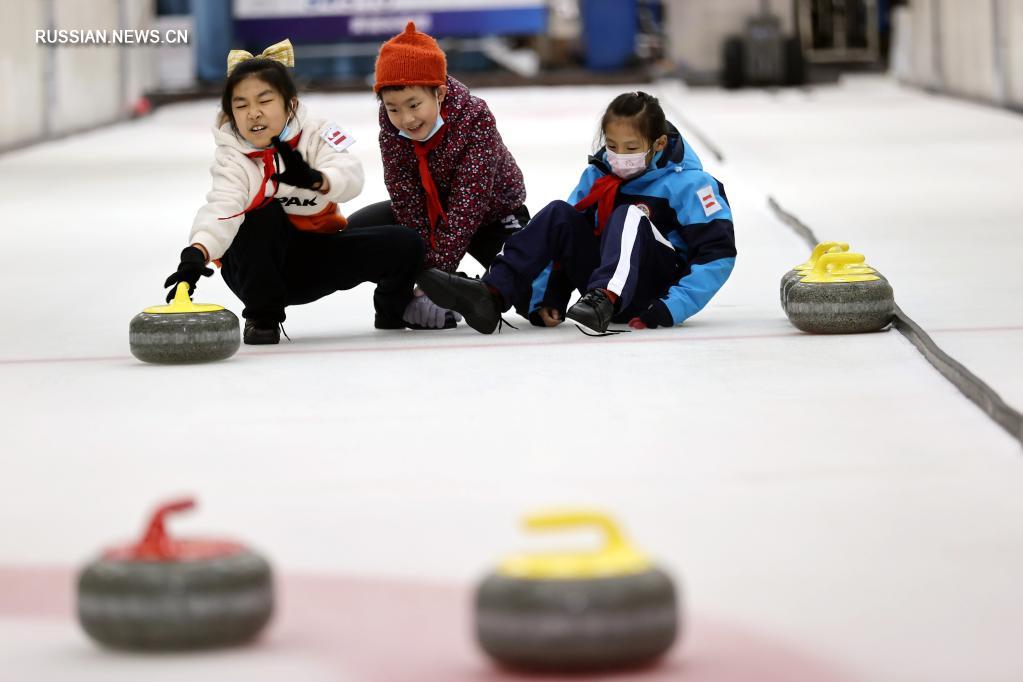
630 257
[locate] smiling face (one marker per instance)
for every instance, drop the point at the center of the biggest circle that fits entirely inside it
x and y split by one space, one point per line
259 111
414 109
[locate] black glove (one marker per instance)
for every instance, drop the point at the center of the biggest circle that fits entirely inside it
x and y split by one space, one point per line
191 268
657 315
297 172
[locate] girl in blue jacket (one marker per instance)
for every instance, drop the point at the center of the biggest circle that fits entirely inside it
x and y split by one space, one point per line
646 237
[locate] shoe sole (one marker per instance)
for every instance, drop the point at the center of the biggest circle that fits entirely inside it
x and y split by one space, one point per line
581 323
458 294
420 328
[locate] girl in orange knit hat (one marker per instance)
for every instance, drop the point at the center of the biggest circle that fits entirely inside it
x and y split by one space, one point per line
449 175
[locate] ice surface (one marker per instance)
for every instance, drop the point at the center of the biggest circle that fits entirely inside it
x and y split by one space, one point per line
835 494
926 186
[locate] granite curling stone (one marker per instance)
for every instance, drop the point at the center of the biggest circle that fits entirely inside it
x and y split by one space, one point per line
165 594
184 332
801 270
839 297
792 277
575 612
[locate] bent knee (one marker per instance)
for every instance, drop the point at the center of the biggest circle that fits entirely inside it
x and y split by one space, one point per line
559 206
408 242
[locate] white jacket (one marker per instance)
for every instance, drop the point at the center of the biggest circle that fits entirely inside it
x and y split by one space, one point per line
236 180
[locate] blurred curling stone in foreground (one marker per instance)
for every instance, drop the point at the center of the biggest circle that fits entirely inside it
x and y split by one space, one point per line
577 611
167 594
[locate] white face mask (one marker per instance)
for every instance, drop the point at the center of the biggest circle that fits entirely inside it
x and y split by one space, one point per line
436 126
627 166
286 132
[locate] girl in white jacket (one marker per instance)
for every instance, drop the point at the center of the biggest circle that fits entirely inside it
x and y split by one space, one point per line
271 220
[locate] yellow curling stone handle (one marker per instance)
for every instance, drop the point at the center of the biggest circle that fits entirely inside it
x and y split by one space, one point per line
835 268
617 557
183 304
820 250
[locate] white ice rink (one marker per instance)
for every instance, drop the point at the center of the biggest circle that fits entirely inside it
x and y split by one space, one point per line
833 507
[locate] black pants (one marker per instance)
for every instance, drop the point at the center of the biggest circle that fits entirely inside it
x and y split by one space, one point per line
485 244
270 265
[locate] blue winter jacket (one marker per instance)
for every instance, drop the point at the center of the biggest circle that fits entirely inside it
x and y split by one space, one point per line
688 206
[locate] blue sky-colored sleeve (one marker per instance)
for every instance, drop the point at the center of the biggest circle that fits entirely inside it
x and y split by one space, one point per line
539 288
589 177
694 291
709 237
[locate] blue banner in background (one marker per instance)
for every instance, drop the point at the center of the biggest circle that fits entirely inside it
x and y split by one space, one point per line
325 21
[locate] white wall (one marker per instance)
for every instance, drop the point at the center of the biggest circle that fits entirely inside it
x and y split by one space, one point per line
22 64
1012 15
968 48
48 90
971 48
925 59
88 77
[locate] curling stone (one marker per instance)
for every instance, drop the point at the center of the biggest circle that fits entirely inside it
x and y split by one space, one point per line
184 332
851 269
570 612
801 270
166 594
837 297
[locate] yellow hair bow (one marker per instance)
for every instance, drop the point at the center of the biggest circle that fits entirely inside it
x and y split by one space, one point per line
281 52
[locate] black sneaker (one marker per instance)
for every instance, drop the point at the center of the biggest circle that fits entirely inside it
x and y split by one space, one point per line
261 332
469 297
593 311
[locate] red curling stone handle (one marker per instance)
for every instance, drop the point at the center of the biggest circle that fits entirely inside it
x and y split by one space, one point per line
157 545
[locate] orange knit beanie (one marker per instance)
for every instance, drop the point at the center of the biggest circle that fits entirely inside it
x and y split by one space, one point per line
410 58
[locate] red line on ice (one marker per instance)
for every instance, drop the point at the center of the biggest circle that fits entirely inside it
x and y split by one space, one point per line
631 338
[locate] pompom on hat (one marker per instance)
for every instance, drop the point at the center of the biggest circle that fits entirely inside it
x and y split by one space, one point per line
410 58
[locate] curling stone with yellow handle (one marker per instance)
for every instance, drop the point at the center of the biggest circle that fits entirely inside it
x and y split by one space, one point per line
163 593
799 271
837 297
184 332
566 612
799 274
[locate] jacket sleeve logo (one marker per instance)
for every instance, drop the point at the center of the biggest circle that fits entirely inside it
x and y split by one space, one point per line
337 137
708 201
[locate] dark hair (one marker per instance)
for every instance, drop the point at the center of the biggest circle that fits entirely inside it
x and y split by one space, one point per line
398 88
272 72
643 112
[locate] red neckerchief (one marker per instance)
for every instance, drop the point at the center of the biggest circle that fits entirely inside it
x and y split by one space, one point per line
267 155
603 195
435 211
